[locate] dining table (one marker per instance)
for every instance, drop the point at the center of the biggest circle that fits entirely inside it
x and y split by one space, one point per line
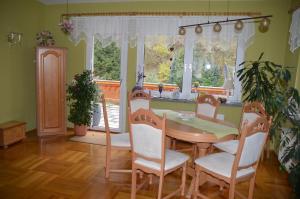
199 130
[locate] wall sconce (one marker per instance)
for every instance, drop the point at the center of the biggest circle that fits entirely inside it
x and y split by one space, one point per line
14 38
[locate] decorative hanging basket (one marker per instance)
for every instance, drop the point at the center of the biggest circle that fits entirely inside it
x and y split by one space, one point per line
45 38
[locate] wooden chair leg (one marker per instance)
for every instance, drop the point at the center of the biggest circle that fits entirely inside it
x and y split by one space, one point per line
194 155
231 191
173 144
161 183
251 188
133 183
107 163
150 179
183 179
196 188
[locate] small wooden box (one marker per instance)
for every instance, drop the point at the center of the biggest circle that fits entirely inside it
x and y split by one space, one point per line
11 132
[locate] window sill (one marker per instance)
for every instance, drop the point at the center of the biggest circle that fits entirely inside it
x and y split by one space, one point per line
235 104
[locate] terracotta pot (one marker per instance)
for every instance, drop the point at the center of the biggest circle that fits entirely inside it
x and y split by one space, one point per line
80 129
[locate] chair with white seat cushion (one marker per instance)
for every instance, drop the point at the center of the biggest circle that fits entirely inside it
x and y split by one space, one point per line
113 141
251 111
147 135
207 106
228 169
138 99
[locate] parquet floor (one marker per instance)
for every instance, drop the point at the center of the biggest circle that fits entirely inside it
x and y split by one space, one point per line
55 168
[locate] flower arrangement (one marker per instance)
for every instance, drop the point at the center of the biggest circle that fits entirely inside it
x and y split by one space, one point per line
66 26
45 38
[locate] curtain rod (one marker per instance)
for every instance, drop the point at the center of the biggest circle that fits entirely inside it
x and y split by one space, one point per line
161 14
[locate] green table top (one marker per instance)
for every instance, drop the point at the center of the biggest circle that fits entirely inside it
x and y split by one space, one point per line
220 130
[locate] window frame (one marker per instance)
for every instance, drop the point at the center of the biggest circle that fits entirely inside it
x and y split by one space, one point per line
189 42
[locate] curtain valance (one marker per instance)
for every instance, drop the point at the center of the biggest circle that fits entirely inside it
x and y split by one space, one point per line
114 28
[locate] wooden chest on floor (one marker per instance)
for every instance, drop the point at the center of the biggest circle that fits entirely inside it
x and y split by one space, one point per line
10 132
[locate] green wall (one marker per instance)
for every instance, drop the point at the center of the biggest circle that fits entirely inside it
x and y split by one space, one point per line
17 67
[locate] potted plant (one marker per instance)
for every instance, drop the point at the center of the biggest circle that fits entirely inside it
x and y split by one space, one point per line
82 96
267 82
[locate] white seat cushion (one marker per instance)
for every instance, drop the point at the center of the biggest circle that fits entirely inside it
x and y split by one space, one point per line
228 146
221 163
120 140
173 159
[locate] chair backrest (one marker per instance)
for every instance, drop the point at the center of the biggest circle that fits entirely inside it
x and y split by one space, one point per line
147 135
207 105
251 144
138 99
251 111
106 124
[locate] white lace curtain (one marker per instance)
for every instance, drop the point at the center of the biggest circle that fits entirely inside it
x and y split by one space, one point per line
294 40
109 29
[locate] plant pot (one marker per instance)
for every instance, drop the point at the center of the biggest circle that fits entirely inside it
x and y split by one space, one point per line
80 130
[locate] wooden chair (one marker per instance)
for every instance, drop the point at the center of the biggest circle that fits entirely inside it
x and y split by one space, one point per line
227 169
116 141
207 106
147 136
138 99
251 111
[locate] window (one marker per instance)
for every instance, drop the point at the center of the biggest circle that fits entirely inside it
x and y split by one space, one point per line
106 61
163 61
192 64
213 62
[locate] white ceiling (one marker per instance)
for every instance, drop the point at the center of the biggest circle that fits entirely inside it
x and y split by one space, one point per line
51 2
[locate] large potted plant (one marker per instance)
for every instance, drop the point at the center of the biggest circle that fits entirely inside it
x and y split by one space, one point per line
82 96
268 83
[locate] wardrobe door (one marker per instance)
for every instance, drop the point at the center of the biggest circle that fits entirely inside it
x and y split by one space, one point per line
51 92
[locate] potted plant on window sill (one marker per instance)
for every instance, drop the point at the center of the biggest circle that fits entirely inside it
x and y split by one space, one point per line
82 96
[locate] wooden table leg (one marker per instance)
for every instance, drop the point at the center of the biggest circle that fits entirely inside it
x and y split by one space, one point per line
202 148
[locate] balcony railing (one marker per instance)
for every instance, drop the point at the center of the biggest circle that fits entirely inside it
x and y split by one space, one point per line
111 89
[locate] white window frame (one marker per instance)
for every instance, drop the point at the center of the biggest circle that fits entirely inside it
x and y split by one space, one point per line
188 61
123 77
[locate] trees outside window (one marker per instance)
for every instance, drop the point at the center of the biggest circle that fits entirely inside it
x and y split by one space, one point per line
213 62
163 63
107 61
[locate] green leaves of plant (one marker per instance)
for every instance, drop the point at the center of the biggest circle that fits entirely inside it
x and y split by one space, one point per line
82 94
267 82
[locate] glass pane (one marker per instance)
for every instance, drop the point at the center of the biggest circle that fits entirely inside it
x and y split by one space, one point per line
213 62
164 58
107 60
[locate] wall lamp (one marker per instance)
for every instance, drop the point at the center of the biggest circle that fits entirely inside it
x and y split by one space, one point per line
14 38
263 27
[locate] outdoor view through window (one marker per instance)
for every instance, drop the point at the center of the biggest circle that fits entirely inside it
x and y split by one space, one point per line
107 61
213 61
164 61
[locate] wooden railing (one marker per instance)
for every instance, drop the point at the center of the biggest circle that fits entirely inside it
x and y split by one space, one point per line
111 89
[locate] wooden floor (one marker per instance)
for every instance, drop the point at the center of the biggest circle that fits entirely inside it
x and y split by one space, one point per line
55 168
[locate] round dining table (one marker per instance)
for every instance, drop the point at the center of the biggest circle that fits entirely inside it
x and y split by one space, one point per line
199 130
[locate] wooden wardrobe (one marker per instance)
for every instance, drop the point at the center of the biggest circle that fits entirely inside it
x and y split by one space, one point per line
51 91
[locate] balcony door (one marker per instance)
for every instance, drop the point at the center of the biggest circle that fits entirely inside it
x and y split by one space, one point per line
109 63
